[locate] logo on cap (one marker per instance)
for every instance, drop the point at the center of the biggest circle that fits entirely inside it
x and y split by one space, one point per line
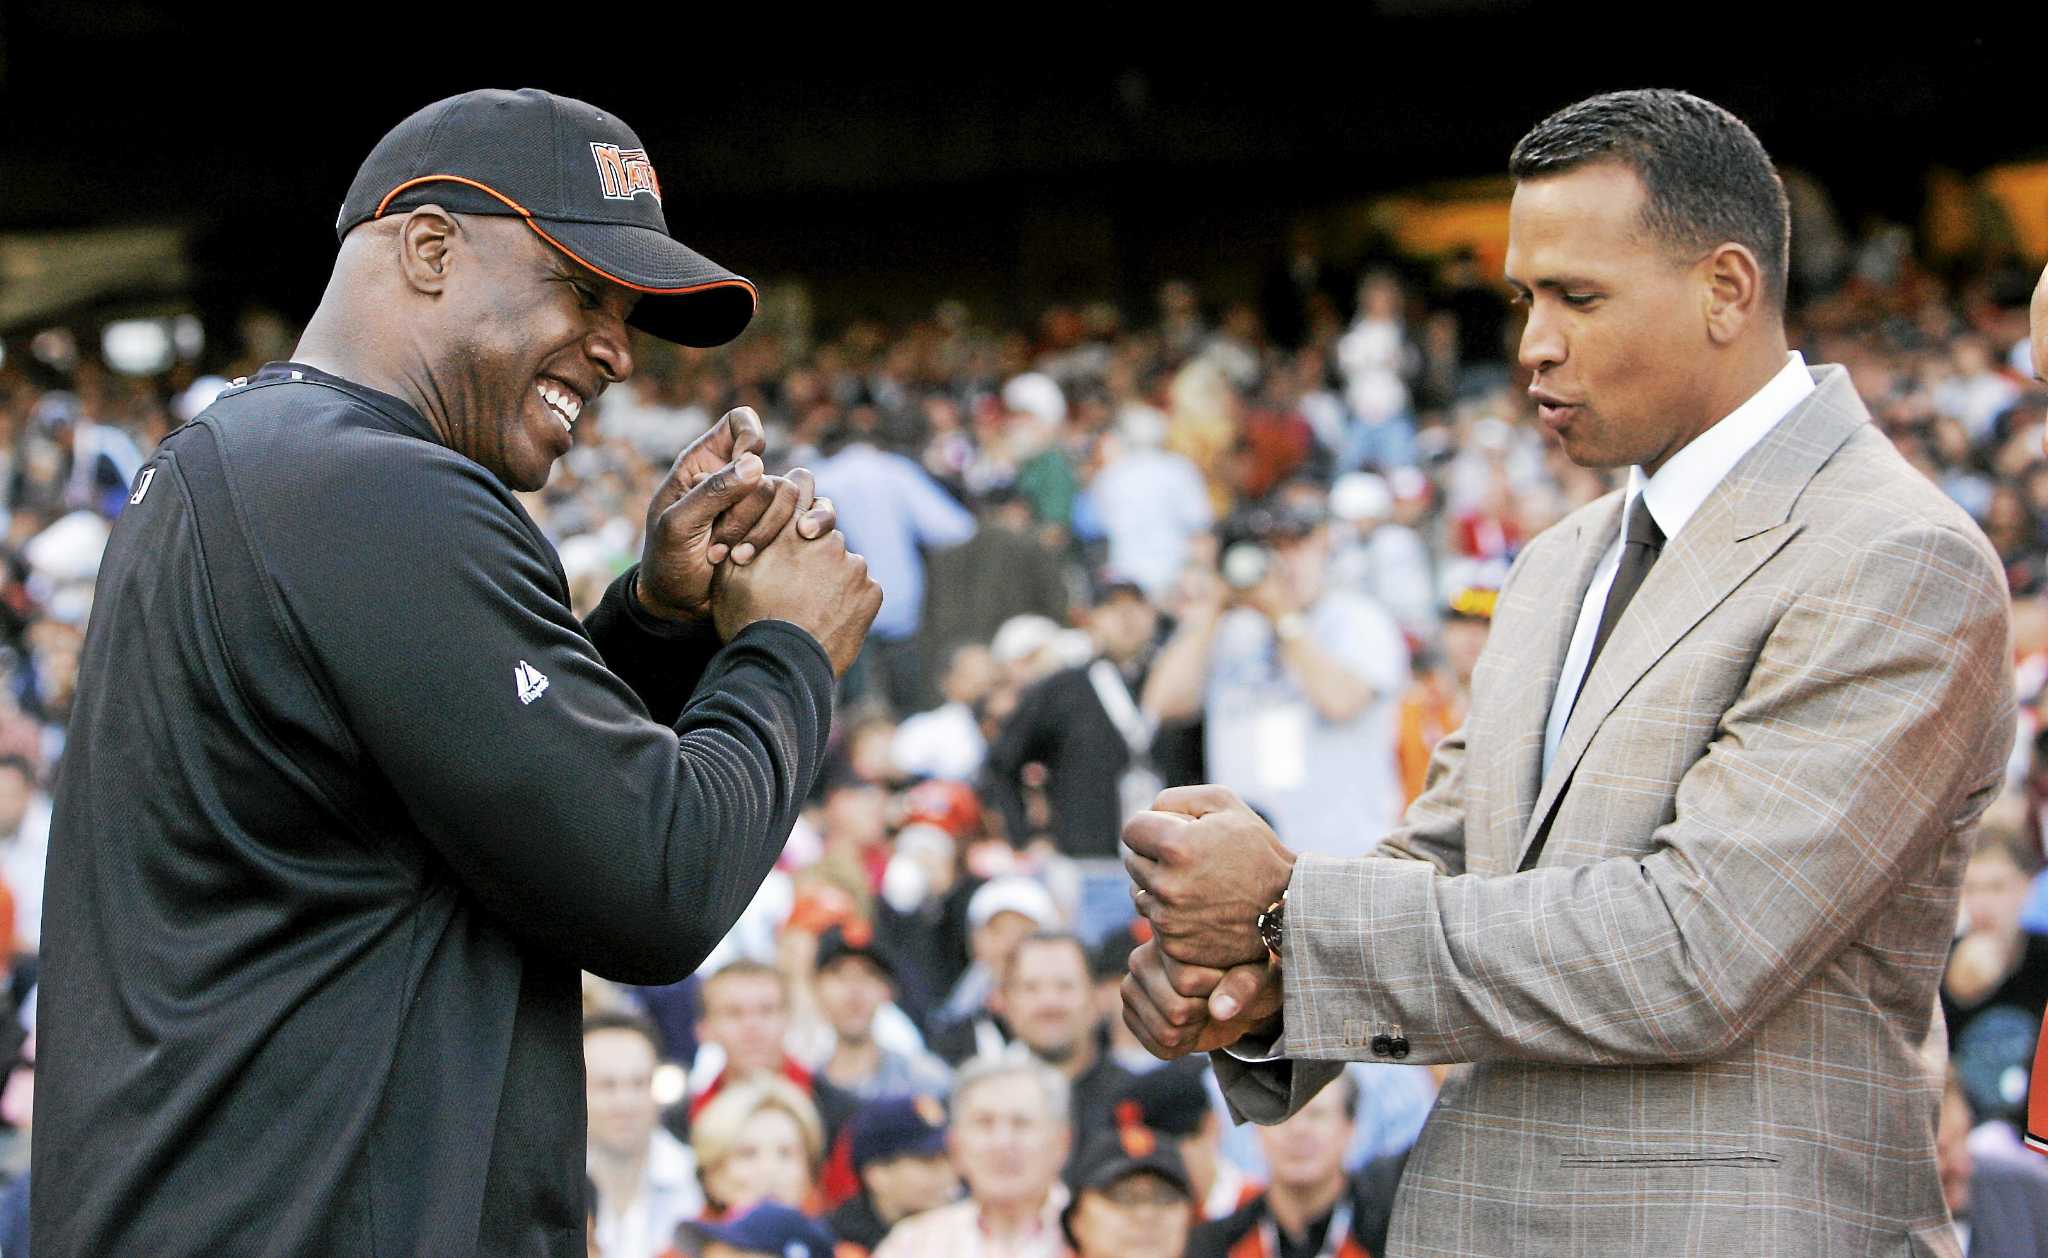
625 173
929 1109
1138 1142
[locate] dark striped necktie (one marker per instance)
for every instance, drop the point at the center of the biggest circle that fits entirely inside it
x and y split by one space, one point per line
1645 541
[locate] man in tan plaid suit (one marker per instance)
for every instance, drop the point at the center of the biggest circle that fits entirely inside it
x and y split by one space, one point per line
1682 888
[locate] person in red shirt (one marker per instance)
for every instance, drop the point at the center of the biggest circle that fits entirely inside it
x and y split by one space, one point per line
746 1014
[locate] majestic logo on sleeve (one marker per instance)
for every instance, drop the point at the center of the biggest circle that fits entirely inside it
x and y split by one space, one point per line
532 682
625 173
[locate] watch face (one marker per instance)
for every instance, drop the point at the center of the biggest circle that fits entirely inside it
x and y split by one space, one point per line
1269 928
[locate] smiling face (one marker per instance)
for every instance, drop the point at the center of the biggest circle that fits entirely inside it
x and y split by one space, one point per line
521 340
1617 340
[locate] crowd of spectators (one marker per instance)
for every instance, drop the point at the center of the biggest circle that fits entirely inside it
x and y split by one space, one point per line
1252 542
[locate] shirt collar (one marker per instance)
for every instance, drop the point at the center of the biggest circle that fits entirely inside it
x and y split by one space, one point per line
1675 493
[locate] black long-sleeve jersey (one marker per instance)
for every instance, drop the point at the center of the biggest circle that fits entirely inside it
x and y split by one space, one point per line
350 797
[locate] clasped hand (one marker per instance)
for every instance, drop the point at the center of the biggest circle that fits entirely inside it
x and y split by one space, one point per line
1203 866
717 512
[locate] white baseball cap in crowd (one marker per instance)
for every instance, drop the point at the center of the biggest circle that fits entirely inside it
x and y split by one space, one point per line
1012 893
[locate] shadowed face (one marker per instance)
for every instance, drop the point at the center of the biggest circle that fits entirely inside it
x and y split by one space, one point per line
850 991
1138 1216
1616 339
912 1184
1123 625
1307 1151
519 340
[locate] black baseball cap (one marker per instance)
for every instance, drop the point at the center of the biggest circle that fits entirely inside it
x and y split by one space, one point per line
1172 1099
1116 1155
896 1127
838 943
579 178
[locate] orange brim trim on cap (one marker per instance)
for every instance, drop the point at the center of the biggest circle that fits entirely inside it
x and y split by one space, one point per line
526 216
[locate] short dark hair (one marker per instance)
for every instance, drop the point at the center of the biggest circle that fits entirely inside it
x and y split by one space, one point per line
743 967
1061 938
1706 177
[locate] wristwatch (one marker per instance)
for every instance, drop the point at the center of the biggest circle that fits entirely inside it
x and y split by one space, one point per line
1290 626
1272 921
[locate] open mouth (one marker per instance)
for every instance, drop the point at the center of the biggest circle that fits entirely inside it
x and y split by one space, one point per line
561 400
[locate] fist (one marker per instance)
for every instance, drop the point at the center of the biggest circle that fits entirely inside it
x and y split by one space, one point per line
1205 866
818 586
1177 1009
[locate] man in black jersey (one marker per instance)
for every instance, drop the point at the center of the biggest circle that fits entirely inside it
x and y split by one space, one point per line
351 796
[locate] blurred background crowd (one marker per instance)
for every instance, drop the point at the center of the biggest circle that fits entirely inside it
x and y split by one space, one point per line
1250 539
1178 417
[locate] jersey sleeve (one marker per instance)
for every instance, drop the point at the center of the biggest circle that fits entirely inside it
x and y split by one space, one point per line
661 661
439 622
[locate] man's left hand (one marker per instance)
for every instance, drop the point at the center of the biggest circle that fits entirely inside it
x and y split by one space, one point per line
1205 867
678 556
1177 1009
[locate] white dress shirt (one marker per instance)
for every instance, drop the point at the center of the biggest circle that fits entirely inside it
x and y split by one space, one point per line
1672 497
669 1194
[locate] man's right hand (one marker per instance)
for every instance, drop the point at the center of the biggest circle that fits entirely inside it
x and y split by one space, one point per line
717 502
818 586
1177 1009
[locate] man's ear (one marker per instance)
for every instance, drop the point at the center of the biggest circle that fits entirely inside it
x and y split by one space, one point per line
425 253
1734 291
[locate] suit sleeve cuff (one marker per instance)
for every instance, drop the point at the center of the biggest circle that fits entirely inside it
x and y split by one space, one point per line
1255 1048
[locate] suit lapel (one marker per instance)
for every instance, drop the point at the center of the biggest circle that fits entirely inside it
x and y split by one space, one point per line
1747 519
1531 718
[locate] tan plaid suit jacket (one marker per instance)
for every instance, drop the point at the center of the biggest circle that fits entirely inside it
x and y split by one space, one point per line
1703 1023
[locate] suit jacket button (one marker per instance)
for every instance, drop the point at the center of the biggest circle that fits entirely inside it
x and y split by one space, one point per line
1382 1045
1399 1048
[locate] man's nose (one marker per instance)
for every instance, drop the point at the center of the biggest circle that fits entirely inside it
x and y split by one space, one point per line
1542 346
611 348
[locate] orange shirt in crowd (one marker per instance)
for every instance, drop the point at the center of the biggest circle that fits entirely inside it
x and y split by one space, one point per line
1428 712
